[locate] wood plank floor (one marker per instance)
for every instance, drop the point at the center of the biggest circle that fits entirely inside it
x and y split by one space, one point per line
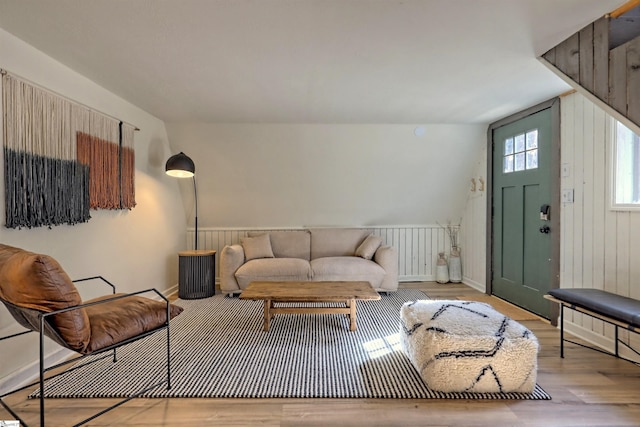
588 389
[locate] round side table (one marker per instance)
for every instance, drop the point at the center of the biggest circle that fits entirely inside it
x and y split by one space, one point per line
197 272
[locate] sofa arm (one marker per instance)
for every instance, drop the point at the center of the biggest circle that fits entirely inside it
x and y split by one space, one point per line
231 258
387 258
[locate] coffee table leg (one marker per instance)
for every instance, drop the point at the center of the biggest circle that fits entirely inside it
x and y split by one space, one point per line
352 316
267 315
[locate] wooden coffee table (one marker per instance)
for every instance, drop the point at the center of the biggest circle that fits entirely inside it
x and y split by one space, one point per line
279 292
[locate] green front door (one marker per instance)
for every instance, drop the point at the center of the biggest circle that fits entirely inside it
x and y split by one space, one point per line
522 237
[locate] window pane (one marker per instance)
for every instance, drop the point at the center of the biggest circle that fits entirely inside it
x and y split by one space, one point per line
626 165
508 146
508 164
519 163
532 139
519 140
532 159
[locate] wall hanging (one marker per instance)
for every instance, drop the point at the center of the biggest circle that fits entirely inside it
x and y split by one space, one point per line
61 158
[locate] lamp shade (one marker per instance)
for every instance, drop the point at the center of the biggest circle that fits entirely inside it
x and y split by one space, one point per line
180 166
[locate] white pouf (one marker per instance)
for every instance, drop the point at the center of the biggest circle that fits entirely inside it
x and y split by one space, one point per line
468 346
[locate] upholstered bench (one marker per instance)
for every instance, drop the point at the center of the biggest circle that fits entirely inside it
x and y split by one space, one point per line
617 310
467 346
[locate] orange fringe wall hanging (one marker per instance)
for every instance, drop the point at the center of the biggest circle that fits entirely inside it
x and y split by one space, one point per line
111 172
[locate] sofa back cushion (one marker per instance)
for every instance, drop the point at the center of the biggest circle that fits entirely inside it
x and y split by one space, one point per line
330 242
288 244
257 247
38 282
369 247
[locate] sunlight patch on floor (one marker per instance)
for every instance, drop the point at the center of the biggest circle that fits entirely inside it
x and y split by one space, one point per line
383 346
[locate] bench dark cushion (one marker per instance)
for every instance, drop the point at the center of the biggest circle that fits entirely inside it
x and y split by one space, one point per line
617 307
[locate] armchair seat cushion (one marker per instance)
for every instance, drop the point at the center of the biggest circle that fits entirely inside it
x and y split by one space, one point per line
115 321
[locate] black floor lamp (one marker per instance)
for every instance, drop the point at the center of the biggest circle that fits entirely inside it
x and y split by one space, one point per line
181 166
197 269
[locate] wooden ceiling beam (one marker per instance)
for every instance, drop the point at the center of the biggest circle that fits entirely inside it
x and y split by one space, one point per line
624 8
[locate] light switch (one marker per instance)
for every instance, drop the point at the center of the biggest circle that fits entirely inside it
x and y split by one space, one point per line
567 195
566 170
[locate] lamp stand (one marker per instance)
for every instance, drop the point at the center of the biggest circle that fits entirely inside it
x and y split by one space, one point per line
195 194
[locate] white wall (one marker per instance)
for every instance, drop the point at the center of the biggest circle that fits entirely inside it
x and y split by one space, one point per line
135 249
473 229
292 175
599 247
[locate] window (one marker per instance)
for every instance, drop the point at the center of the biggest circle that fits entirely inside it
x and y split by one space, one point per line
626 167
521 152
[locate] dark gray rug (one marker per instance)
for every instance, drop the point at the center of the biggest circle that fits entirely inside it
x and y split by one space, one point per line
219 350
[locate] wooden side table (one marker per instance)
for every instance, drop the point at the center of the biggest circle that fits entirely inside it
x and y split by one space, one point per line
197 272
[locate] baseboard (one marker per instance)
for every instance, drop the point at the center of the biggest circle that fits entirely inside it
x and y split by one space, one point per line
475 285
430 278
171 291
31 372
421 278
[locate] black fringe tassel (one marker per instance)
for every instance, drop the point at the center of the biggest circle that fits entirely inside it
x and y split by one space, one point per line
41 191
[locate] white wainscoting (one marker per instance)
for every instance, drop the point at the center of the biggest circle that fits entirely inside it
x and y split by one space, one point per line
417 245
600 247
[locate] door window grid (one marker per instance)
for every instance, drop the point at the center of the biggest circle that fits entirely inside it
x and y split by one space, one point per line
521 152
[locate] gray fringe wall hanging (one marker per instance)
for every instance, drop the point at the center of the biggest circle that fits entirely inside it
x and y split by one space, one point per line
61 159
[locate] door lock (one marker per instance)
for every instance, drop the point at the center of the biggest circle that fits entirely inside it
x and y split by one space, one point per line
544 212
545 229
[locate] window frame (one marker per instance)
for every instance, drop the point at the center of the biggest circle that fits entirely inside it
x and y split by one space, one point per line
613 167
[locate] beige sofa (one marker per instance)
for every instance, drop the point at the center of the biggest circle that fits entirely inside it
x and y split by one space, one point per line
323 254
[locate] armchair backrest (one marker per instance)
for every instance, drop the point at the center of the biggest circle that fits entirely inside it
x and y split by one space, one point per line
35 282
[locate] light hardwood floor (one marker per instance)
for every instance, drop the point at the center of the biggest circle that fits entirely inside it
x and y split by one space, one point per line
588 389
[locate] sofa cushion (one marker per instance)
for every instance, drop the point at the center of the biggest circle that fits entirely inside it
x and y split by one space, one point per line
348 268
369 247
257 247
273 269
289 244
38 282
332 242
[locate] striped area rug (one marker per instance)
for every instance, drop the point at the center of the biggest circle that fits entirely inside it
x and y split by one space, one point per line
219 350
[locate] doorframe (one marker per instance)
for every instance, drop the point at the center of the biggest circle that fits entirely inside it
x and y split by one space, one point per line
554 105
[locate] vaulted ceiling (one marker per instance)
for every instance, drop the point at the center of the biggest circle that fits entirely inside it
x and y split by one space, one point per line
310 61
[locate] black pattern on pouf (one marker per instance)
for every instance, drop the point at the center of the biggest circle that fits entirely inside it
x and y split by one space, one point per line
467 346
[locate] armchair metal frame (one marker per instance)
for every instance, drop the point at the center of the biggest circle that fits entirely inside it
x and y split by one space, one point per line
43 316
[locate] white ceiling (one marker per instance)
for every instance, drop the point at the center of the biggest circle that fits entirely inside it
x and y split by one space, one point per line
310 61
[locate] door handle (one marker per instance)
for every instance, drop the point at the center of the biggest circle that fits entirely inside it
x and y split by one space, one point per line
545 229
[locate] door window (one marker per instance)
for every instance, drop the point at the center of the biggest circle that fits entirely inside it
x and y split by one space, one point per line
520 152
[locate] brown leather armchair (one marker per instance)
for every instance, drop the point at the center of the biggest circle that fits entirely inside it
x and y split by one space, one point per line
42 298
